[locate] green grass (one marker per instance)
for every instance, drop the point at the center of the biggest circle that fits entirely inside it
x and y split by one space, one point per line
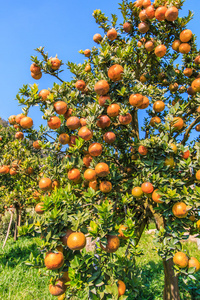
20 282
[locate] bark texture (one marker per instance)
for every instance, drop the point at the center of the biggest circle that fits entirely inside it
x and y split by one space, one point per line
171 289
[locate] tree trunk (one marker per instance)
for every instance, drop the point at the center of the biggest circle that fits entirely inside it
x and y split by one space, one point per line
16 224
11 218
171 289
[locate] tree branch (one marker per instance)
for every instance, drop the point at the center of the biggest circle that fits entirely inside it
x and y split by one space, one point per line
186 135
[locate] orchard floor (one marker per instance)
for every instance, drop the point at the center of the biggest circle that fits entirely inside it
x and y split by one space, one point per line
20 282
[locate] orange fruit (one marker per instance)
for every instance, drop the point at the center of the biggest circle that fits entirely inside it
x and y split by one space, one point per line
121 234
169 161
76 241
93 185
60 107
87 53
193 262
159 106
64 138
80 85
137 192
180 259
102 100
103 121
55 63
113 110
58 288
101 87
18 118
39 208
126 119
150 12
74 174
87 160
35 69
97 38
53 260
156 197
160 50
160 13
127 27
113 244
178 123
171 14
44 94
145 103
188 72
112 34
142 150
185 35
136 100
121 288
147 187
115 72
19 135
154 121
26 122
85 133
196 85
143 27
54 122
105 186
184 48
186 154
36 145
65 237
73 123
90 175
174 148
109 137
45 184
197 175
179 210
95 149
175 45
102 169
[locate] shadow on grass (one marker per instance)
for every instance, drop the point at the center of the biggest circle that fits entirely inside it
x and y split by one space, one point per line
17 252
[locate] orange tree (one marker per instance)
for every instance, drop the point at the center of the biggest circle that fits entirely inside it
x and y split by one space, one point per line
116 172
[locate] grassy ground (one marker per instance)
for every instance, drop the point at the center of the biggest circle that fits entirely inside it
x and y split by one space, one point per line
20 282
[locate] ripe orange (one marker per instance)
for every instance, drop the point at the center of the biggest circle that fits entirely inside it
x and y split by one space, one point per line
45 184
113 110
186 35
58 288
74 175
87 52
102 169
142 150
143 27
80 85
95 149
90 175
160 13
83 122
142 15
112 34
88 68
188 72
171 14
54 122
101 87
121 234
178 123
196 85
136 100
60 107
13 172
113 244
137 192
103 121
4 169
156 197
121 288
55 184
18 118
174 148
147 187
64 138
102 100
53 260
149 46
44 94
87 160
19 135
76 241
55 63
193 262
154 121
197 127
35 69
73 123
72 141
145 103
146 3
180 259
175 45
160 50
105 186
179 210
36 76
126 119
198 175
115 72
36 145
94 185
186 154
184 48
68 113
197 60
85 133
39 208
127 27
26 122
65 237
150 12
109 137
97 38
159 106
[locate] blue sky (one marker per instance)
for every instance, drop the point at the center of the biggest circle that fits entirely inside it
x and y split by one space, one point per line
62 27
